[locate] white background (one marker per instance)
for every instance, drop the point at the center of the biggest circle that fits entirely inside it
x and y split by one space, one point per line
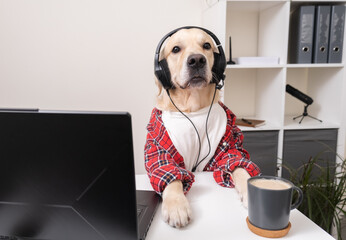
87 54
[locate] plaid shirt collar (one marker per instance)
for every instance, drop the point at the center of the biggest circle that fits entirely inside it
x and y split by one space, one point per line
158 131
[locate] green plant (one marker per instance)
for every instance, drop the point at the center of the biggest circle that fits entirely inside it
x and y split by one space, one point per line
324 193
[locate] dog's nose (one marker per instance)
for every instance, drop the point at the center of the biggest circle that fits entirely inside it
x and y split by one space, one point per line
196 61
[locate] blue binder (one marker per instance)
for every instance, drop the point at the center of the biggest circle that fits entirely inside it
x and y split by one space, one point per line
321 34
336 36
301 34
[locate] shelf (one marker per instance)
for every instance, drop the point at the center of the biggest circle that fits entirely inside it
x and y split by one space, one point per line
268 126
327 65
290 124
323 85
307 123
253 6
237 66
250 92
261 29
289 66
254 28
316 1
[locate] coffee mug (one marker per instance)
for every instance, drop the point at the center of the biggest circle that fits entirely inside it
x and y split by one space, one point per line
270 201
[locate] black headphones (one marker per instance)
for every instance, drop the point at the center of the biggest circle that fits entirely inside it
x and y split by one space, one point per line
162 70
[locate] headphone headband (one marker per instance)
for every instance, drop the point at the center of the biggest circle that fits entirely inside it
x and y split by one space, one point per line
218 44
161 67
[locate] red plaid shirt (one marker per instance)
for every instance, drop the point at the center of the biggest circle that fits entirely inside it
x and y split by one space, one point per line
164 164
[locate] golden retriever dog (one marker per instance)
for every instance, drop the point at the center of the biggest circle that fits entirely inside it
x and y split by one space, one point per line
179 119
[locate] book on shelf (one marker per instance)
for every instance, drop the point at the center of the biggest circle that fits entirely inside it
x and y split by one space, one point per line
247 122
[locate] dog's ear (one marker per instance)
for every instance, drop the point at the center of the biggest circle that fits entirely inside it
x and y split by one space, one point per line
215 49
213 44
162 55
215 53
157 82
159 86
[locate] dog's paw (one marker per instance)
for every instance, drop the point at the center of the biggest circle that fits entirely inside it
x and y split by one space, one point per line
176 209
240 177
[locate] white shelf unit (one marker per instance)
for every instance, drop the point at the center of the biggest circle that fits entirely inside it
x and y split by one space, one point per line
261 29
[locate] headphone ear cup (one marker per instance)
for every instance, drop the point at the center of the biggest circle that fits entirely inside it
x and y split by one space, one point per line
163 74
218 68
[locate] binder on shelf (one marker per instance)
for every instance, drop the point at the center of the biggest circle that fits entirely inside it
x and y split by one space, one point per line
321 34
336 36
301 34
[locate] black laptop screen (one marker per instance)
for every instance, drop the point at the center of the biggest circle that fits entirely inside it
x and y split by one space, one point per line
67 176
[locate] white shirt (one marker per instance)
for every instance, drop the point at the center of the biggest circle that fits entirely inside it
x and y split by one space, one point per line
184 136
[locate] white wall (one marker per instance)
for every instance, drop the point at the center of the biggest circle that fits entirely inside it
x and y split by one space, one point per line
87 54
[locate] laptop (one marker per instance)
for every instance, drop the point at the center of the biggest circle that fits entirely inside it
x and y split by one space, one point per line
70 176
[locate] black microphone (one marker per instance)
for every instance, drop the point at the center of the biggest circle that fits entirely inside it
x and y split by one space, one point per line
298 94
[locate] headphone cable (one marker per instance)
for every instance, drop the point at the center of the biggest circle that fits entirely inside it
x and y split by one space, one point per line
206 130
197 163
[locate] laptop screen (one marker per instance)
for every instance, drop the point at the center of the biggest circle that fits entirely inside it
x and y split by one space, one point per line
67 176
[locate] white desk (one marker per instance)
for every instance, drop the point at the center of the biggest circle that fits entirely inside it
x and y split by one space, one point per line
218 214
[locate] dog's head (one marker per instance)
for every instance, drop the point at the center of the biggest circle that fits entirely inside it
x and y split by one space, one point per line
190 57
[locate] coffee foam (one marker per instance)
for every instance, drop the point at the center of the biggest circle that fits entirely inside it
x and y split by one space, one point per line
271 184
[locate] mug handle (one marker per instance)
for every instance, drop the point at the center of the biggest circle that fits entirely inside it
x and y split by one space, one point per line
300 197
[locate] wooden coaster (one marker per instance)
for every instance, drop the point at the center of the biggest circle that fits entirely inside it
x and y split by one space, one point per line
268 233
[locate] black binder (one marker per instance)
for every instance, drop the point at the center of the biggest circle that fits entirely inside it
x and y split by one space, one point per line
321 34
336 36
301 34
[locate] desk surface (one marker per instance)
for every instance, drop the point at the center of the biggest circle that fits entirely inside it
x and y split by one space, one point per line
219 214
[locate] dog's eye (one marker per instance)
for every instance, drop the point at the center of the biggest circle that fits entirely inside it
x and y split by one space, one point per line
207 46
176 49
